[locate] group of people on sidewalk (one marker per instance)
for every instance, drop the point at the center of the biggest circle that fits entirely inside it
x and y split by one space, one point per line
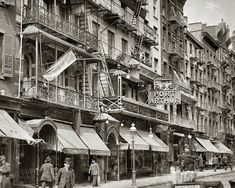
221 162
65 177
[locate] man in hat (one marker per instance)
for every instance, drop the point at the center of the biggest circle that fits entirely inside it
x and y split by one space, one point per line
65 177
94 170
47 173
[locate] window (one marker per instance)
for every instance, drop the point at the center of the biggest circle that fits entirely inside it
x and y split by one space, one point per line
190 48
111 42
156 65
124 46
95 28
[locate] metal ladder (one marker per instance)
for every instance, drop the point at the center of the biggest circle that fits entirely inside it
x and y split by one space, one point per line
136 13
104 76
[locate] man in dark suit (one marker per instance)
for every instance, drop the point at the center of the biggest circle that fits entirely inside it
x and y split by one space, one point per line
65 177
47 173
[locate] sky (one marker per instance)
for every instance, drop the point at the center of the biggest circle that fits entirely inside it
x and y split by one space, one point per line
211 12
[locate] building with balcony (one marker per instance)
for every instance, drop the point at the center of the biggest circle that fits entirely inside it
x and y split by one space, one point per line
113 52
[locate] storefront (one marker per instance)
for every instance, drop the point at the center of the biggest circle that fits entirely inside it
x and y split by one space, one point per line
148 151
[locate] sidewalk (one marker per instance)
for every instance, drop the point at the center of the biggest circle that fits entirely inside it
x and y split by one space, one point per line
148 181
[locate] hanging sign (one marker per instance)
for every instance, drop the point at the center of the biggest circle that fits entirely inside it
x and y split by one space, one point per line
161 97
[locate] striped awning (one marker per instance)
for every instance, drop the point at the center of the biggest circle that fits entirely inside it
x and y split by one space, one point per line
198 147
206 143
221 147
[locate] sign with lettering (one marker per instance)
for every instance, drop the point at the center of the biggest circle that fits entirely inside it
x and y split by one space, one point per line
162 97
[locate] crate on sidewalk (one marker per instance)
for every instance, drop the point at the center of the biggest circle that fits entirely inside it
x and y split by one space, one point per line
212 184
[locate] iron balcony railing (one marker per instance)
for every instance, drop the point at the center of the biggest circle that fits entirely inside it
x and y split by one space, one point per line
176 16
46 18
124 57
181 121
136 107
59 95
150 32
176 49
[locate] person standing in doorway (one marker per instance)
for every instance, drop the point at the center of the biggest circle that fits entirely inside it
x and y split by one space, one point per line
66 177
94 171
4 173
47 173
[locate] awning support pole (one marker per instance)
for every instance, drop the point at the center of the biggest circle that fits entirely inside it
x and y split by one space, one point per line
56 80
84 83
36 67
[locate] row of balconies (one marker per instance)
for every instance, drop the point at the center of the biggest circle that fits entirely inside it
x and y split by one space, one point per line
117 55
182 121
55 23
59 95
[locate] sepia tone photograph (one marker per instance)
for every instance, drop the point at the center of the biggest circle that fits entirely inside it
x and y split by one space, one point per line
117 93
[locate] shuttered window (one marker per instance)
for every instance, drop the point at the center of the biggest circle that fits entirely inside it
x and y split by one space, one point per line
8 56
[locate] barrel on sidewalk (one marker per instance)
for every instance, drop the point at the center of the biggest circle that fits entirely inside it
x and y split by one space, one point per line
209 184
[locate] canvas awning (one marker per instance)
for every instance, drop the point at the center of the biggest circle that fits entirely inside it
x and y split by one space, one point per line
207 145
105 116
69 142
198 147
155 142
93 142
9 128
221 147
140 144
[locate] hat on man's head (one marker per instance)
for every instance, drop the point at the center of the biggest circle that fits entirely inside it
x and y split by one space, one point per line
2 157
67 160
47 159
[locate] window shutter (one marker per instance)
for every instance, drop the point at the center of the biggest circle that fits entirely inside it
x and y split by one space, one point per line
8 56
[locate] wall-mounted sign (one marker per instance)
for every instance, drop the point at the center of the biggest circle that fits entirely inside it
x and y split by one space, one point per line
161 97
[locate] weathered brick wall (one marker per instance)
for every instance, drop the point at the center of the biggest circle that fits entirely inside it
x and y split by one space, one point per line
8 27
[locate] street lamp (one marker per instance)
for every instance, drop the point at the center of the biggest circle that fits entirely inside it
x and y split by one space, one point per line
133 133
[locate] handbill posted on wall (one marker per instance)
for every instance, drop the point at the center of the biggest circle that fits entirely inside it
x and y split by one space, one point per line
60 65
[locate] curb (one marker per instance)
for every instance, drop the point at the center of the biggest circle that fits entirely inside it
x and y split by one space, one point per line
198 177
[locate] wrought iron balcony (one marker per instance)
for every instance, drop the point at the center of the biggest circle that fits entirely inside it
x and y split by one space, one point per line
201 106
182 122
176 51
136 107
113 12
116 55
150 35
59 95
56 24
177 18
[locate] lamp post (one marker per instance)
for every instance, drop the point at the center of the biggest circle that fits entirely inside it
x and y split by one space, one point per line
133 132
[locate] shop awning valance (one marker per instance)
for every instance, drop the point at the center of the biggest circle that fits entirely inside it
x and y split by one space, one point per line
198 147
69 142
105 116
155 142
93 142
9 128
207 145
221 147
140 144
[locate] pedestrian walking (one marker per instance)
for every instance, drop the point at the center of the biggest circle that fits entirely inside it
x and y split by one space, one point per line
200 163
225 161
215 162
4 173
47 173
94 171
65 177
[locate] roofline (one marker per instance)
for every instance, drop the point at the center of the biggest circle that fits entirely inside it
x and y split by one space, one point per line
194 39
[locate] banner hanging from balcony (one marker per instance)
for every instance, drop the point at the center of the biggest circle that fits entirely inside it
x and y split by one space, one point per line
60 65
